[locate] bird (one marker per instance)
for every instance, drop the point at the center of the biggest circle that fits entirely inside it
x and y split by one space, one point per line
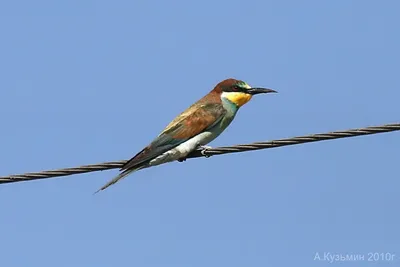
194 128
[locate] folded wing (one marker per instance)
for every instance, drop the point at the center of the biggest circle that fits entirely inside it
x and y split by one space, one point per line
190 123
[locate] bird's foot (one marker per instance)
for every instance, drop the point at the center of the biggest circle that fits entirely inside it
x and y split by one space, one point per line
203 149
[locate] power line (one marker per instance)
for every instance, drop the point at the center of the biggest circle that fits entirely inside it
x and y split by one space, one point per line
209 152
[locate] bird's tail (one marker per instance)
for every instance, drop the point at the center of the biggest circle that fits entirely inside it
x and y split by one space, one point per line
119 177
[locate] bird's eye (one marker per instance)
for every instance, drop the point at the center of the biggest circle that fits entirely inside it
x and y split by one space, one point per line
236 88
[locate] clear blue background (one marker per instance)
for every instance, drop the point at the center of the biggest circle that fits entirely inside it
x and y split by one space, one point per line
92 81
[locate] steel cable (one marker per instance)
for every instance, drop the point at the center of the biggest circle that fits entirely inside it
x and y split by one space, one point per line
209 152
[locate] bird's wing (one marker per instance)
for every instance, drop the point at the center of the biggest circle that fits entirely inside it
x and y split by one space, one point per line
187 125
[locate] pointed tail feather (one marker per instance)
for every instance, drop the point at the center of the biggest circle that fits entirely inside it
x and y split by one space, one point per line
117 178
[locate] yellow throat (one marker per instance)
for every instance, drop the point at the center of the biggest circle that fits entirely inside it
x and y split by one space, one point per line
238 98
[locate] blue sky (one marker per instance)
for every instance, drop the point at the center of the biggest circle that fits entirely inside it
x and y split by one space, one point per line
92 81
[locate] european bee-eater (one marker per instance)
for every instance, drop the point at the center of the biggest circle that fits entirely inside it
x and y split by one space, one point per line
198 125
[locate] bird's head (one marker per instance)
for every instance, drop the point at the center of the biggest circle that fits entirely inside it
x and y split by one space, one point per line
239 92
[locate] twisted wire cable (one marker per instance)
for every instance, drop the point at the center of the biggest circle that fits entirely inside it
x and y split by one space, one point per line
209 152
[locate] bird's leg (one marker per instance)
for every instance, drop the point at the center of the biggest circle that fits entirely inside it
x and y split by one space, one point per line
202 149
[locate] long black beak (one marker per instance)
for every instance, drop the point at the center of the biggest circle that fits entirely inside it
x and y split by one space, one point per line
257 90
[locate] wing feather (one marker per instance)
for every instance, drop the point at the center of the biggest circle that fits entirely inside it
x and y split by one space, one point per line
187 125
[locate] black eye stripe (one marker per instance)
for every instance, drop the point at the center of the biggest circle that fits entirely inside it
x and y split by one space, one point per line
235 88
239 89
